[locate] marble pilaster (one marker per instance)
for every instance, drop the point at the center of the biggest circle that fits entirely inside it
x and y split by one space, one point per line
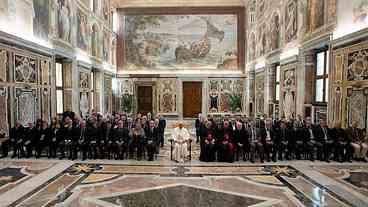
270 78
250 92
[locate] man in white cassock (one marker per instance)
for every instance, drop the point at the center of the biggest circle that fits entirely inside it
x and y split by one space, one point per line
181 138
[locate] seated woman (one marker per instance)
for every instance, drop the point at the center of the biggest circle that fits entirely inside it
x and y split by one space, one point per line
226 149
208 153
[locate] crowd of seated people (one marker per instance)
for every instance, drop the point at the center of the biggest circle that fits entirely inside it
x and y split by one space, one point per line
228 140
119 136
97 136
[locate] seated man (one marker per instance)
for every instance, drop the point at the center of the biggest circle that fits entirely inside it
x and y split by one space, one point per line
208 151
151 139
241 140
342 147
226 149
16 135
283 142
357 138
256 138
324 141
4 144
181 138
309 137
269 142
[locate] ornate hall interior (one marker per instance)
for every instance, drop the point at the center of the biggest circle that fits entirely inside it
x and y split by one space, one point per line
193 66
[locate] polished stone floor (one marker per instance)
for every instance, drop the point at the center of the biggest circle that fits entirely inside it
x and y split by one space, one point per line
163 183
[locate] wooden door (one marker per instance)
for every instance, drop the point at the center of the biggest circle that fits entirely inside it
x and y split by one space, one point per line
192 99
144 99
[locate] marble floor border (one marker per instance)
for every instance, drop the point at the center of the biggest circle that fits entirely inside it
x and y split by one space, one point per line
23 191
304 168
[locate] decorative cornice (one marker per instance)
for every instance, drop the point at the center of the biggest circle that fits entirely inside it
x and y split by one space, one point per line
15 41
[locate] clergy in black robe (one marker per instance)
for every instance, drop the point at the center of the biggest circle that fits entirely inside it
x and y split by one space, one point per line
208 151
205 130
226 149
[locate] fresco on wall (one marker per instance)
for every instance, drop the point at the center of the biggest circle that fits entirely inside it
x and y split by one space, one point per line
291 27
84 104
225 96
353 16
64 14
82 30
360 12
105 46
3 65
4 110
16 17
181 42
289 85
41 18
105 9
95 41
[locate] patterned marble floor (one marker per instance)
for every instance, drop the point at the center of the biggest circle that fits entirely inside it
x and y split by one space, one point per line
129 183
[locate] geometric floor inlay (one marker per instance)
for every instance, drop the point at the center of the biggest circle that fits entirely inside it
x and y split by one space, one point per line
184 196
102 185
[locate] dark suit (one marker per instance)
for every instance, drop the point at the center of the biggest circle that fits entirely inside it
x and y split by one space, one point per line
198 129
241 142
54 141
152 139
324 143
69 139
310 141
16 140
256 137
269 143
93 137
161 127
4 145
30 140
43 140
120 143
283 143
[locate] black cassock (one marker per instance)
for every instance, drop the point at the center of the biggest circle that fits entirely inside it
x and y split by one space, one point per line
225 150
208 150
